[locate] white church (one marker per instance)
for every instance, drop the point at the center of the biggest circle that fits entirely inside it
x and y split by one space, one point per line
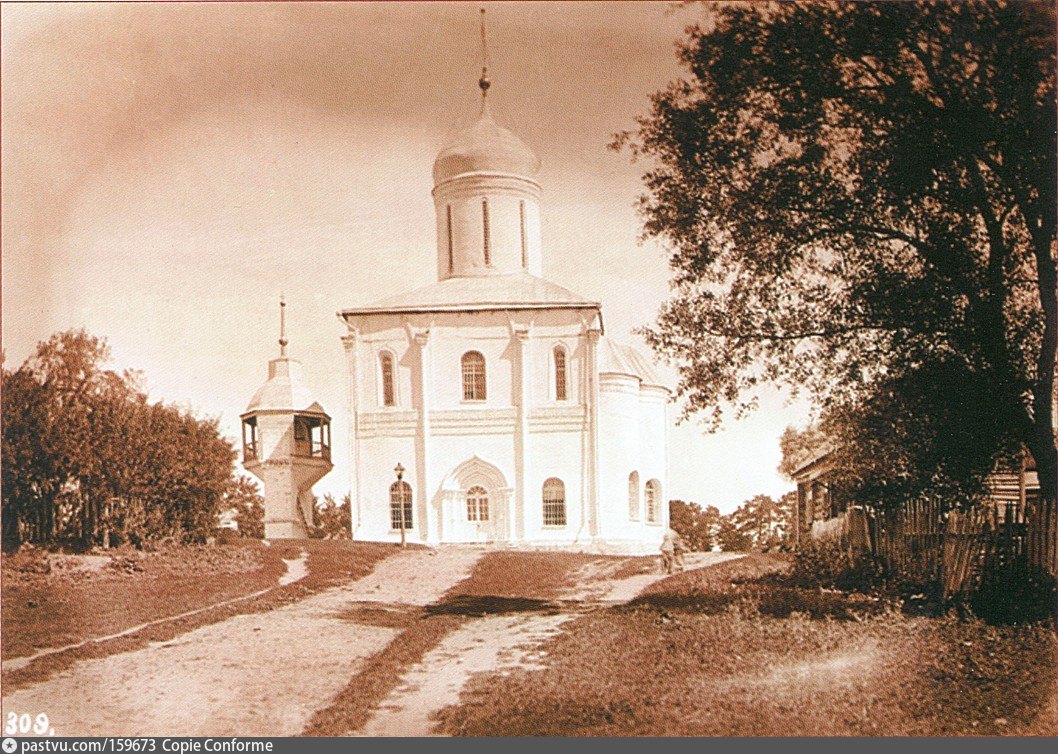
510 416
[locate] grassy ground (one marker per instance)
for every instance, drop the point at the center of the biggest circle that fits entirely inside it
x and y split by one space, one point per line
501 582
53 607
731 650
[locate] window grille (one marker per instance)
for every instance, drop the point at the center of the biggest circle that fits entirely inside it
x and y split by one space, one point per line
400 496
554 502
385 361
477 504
473 376
633 496
653 491
560 373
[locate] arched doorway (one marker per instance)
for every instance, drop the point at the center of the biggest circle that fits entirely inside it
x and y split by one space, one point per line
475 501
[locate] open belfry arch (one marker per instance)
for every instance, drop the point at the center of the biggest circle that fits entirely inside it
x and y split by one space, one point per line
516 420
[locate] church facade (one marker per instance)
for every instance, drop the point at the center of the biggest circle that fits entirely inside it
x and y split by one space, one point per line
510 415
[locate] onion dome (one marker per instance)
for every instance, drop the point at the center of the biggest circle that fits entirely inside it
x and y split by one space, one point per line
485 147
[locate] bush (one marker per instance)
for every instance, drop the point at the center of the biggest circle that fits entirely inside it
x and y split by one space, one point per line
828 564
1016 594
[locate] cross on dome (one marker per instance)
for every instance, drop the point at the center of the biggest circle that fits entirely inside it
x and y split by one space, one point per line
485 146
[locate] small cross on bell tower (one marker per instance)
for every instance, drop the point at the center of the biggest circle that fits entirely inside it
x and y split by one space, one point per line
286 441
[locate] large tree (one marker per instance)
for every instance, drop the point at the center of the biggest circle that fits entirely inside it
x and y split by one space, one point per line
860 197
86 457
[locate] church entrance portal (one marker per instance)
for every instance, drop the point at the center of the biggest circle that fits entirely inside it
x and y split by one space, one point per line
475 504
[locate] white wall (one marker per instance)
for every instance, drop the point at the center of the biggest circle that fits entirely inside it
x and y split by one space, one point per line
557 437
505 194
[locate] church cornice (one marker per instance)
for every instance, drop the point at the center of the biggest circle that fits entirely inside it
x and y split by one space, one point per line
466 308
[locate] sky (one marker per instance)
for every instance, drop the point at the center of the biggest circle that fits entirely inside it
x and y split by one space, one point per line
169 169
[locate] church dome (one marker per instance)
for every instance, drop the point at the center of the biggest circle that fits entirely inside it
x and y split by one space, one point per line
485 147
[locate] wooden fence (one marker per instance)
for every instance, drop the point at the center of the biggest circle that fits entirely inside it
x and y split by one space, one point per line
961 549
1041 535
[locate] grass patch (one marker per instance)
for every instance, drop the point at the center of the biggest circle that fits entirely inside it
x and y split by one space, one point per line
501 582
734 650
53 600
53 609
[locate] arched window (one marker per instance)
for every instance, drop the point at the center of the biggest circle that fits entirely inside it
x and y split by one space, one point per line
385 368
400 497
473 376
653 500
561 381
554 502
477 504
633 496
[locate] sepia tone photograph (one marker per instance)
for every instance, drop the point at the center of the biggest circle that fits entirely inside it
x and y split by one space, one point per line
527 369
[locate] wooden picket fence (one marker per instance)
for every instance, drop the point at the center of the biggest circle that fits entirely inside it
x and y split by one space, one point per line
960 549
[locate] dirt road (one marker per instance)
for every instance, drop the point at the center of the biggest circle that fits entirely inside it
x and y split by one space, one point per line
266 673
251 675
498 642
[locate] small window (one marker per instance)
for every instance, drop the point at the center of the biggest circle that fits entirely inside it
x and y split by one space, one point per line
487 236
400 500
473 376
554 502
451 246
385 367
561 392
525 241
633 496
249 438
653 494
477 504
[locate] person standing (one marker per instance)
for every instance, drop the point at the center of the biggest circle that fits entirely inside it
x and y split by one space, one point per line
668 552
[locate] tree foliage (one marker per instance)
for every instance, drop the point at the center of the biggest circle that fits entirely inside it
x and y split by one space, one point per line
243 497
762 522
87 458
800 446
860 199
730 538
697 526
331 520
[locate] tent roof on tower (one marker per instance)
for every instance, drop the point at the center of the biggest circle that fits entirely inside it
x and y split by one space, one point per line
284 390
482 293
618 358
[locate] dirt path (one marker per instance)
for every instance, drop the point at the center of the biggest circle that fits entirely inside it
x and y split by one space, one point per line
497 642
251 675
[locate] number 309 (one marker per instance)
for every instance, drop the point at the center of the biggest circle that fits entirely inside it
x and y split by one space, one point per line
24 723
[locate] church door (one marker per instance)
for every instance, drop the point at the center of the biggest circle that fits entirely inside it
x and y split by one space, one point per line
480 514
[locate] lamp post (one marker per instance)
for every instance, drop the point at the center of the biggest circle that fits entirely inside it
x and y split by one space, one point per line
399 471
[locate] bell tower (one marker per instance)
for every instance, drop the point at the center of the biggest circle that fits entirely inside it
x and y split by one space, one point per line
286 442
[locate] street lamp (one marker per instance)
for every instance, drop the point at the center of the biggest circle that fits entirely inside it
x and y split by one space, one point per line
399 471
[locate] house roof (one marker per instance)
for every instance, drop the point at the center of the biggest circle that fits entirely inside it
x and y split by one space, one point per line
488 292
812 459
